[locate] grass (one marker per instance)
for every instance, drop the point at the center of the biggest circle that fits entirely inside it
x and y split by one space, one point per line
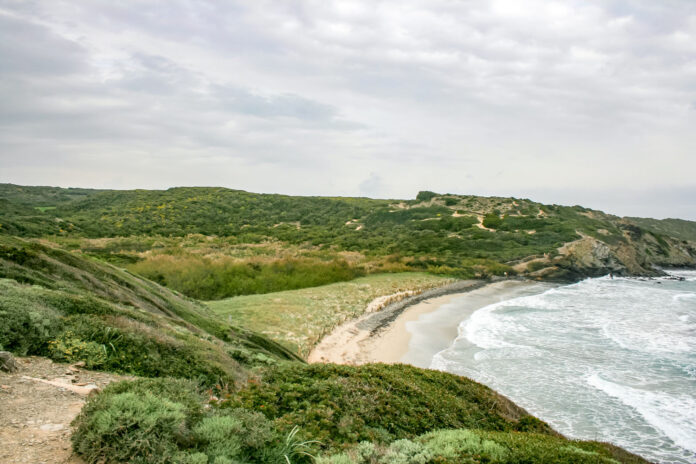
300 318
61 305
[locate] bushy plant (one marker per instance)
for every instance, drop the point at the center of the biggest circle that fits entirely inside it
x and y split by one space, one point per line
481 447
376 402
406 452
130 427
451 444
156 421
68 348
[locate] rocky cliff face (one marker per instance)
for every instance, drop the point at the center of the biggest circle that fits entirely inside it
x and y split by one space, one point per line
640 253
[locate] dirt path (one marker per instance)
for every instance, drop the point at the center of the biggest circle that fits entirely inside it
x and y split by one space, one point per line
35 416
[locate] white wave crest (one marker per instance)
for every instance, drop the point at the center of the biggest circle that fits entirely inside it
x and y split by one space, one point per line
672 415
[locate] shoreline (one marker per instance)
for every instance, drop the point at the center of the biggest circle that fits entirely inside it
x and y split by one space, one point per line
383 336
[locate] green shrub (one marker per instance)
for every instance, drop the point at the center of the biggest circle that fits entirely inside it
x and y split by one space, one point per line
492 221
153 421
376 402
480 447
406 452
425 195
27 324
130 427
236 434
452 444
68 348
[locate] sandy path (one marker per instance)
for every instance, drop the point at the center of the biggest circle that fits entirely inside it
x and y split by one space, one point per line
35 416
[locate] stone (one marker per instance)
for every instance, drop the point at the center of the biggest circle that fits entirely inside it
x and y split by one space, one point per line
7 362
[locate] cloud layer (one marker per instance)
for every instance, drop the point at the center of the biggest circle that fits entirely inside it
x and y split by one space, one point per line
565 101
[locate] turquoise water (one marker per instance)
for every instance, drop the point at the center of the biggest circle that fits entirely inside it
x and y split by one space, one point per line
610 359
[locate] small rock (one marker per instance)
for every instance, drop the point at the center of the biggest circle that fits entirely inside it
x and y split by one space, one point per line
79 364
52 427
5 387
7 362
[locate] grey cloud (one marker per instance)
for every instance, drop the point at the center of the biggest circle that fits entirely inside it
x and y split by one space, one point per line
33 50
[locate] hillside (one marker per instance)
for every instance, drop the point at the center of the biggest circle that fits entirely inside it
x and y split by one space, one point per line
57 304
212 243
678 228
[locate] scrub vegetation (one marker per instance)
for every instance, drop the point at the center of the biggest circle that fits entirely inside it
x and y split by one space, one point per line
300 318
215 243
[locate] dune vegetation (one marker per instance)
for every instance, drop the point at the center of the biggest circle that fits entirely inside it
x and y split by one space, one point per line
300 318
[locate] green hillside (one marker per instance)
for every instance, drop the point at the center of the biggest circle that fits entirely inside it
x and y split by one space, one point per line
57 304
679 228
213 243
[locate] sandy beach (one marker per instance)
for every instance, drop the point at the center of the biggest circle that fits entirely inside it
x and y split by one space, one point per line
414 330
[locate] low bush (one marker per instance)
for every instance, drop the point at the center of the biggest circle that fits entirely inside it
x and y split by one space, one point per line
158 421
478 447
380 403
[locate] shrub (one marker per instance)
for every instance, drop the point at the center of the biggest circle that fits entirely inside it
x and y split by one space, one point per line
479 447
130 427
26 326
451 444
425 195
238 434
154 421
68 348
377 402
406 452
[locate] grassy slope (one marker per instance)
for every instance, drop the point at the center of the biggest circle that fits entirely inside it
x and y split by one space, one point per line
64 306
679 228
300 318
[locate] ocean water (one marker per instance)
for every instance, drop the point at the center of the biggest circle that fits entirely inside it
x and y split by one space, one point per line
610 359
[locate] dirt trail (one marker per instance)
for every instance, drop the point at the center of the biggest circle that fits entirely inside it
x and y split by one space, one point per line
35 416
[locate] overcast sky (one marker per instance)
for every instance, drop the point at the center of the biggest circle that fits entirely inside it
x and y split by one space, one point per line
570 102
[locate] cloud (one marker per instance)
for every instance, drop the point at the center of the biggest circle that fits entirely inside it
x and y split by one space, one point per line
372 186
307 97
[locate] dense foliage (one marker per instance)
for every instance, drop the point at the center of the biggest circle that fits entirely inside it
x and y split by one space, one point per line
161 421
338 404
464 446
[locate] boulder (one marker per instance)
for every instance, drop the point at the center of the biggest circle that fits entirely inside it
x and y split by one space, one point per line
7 362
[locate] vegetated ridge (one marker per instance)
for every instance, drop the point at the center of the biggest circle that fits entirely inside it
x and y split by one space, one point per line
212 243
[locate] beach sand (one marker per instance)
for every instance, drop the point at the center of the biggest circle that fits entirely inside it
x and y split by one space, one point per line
414 331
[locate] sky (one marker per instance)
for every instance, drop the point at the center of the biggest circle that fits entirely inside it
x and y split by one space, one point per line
567 102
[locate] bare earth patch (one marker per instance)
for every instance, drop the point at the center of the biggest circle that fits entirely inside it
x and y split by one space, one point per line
35 416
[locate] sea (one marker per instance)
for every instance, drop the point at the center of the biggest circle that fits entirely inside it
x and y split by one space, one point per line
610 359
